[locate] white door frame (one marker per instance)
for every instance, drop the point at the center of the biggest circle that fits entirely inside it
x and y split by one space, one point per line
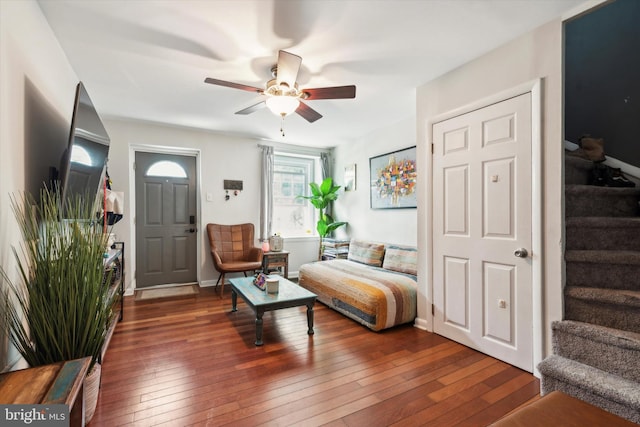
132 190
535 88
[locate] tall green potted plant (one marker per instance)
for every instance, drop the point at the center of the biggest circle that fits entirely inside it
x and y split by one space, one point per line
321 196
60 309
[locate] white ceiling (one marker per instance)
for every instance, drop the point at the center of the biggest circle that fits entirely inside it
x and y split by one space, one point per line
147 60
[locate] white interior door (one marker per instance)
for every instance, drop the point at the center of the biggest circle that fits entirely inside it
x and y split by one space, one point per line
482 219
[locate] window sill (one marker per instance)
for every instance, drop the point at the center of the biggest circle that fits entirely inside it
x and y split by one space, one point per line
301 239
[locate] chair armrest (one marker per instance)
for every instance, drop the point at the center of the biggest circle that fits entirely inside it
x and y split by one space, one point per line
255 254
216 258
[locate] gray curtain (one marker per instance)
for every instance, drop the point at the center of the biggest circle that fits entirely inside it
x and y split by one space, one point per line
325 165
266 192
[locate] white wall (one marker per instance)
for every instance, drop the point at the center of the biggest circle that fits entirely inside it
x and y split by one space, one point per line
33 69
537 54
220 157
383 225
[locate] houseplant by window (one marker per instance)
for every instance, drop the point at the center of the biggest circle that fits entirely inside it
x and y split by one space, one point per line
321 196
60 307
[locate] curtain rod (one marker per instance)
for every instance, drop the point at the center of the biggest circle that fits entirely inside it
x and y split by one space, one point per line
296 149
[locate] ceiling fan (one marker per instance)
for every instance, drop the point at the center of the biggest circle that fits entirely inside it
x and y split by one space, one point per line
282 95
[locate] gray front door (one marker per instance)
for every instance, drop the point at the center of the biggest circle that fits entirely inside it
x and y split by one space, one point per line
166 240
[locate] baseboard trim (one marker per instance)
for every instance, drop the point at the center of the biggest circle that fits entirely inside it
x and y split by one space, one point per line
208 283
422 324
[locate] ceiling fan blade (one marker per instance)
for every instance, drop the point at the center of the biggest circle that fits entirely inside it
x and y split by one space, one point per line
288 67
337 92
308 113
252 108
233 85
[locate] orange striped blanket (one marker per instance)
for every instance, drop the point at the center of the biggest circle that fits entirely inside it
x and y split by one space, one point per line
373 296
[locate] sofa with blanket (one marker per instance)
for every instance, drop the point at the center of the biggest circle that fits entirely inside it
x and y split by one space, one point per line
375 286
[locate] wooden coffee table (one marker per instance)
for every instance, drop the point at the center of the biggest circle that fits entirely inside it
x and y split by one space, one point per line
289 295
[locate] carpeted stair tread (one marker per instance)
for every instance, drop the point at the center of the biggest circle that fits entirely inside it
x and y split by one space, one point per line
603 257
603 269
632 222
594 189
589 200
610 350
609 336
625 297
577 169
597 347
603 233
608 391
612 308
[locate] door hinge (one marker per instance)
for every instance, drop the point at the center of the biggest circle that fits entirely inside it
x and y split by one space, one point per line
431 148
433 310
134 165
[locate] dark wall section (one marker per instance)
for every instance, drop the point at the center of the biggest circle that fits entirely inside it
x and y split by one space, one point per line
46 136
602 78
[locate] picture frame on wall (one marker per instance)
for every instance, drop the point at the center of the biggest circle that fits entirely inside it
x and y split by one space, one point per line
350 177
393 179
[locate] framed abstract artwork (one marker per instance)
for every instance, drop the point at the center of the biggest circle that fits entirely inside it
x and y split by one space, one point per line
393 180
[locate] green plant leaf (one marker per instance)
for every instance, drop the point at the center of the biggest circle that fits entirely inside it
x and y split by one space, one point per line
334 225
61 308
318 203
326 185
322 195
315 190
322 228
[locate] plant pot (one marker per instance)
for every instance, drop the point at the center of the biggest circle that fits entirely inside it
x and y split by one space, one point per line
91 389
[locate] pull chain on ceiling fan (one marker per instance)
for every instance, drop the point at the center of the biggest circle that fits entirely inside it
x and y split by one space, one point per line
283 96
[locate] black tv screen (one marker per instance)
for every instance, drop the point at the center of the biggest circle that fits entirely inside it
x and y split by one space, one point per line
83 164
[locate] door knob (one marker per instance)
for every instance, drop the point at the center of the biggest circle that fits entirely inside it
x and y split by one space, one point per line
521 253
191 230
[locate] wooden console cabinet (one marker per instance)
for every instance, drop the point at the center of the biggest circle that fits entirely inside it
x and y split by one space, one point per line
114 273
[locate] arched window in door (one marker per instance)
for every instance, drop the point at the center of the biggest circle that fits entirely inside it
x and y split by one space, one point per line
166 168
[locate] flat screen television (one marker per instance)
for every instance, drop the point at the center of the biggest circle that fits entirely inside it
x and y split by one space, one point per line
83 164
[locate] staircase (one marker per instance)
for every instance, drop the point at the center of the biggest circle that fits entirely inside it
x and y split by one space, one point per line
597 345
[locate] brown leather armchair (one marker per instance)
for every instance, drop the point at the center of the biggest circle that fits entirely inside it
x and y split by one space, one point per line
233 250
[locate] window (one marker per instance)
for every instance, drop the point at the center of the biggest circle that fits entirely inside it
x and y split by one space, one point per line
166 168
292 216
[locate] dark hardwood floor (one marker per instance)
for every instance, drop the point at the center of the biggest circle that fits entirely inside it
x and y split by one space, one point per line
190 361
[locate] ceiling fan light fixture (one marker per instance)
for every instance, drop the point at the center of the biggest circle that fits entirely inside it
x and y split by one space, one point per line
282 105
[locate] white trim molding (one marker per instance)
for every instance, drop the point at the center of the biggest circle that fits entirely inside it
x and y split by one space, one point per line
535 88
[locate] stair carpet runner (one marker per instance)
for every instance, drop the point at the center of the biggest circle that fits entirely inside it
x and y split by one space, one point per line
596 348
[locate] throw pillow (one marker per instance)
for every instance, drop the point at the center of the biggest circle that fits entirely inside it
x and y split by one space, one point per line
366 252
401 259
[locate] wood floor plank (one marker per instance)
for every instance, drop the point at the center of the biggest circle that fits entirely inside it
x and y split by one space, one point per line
190 361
